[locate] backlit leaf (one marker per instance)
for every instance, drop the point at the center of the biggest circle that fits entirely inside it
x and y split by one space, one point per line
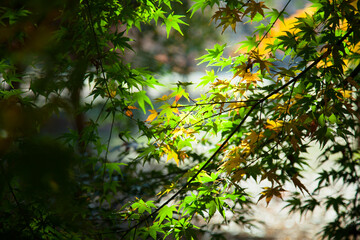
152 116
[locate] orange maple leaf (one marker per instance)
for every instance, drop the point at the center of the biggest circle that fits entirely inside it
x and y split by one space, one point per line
152 116
128 112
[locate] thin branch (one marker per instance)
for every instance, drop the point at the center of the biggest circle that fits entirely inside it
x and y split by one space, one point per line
213 103
216 114
24 215
168 135
272 25
286 110
108 145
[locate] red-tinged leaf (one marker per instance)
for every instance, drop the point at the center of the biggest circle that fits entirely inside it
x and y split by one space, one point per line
128 111
177 97
228 17
178 93
255 7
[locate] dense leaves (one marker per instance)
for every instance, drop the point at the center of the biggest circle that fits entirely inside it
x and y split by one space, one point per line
104 170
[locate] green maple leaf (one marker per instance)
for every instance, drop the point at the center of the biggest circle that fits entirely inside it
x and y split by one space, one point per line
166 212
213 54
141 98
114 167
173 21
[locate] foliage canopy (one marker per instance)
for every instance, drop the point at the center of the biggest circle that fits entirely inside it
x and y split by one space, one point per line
292 84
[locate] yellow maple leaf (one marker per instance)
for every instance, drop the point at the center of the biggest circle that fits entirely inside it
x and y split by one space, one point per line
152 116
183 132
168 188
251 78
234 159
276 95
269 192
112 93
253 137
171 154
236 106
163 98
346 94
274 125
221 84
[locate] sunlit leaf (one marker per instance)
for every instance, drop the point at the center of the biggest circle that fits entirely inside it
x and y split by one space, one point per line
152 116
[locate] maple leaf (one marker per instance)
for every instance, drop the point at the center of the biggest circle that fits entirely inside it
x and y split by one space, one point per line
253 137
299 184
235 158
220 97
169 110
184 84
243 68
250 78
166 212
291 127
178 132
221 84
173 21
352 82
276 95
271 176
228 17
168 188
171 154
111 93
270 192
294 143
152 116
285 108
180 92
163 98
183 132
263 64
236 106
238 175
182 155
128 111
345 94
255 7
274 125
